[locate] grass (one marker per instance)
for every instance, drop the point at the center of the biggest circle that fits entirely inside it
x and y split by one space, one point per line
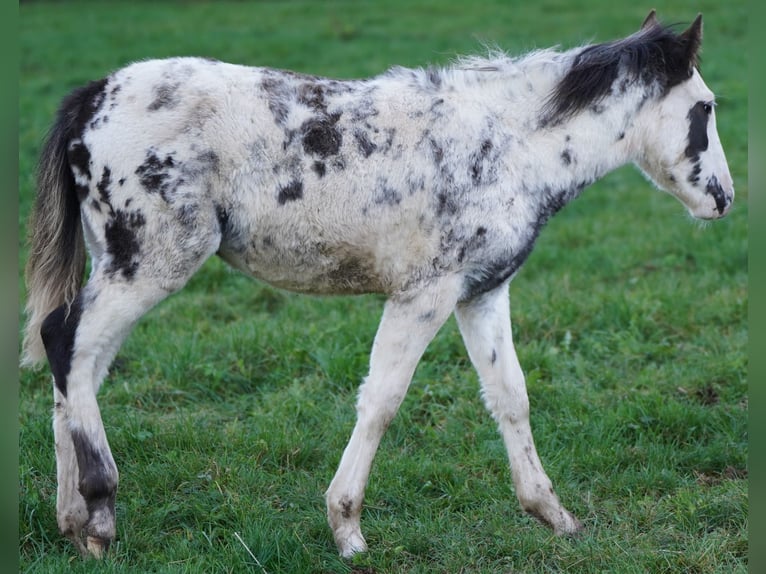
229 406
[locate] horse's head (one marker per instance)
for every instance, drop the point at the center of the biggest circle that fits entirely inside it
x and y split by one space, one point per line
680 148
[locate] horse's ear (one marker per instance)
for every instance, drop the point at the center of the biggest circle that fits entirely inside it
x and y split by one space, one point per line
651 20
692 39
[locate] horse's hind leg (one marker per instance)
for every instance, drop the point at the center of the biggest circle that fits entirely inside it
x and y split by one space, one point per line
80 343
486 328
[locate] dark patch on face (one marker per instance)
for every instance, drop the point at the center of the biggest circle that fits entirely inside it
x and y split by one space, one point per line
97 482
58 334
154 174
694 174
493 357
620 136
363 143
321 137
566 157
121 181
697 138
714 188
319 168
121 234
293 191
165 96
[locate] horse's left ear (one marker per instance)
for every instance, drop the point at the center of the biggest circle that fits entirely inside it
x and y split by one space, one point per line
692 39
651 20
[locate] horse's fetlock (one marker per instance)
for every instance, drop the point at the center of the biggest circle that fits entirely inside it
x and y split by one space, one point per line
97 483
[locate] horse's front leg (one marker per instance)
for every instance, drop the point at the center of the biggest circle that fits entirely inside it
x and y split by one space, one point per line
408 324
486 329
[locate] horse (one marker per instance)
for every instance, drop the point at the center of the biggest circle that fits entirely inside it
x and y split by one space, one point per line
429 186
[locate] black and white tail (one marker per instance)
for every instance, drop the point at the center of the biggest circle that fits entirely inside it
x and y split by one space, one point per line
56 265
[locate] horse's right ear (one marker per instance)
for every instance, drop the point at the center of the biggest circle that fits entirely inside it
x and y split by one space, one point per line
692 39
651 20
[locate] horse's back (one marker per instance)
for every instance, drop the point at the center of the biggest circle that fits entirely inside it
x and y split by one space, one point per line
288 176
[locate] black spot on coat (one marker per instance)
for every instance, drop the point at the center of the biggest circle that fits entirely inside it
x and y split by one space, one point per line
154 173
481 168
321 136
363 143
165 96
104 183
319 168
58 334
293 191
121 234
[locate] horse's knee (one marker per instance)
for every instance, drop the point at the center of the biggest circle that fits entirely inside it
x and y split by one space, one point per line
58 334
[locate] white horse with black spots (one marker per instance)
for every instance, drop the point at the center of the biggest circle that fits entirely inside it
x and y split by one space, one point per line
427 185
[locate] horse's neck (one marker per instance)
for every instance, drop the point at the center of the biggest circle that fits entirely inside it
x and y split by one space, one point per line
587 146
567 155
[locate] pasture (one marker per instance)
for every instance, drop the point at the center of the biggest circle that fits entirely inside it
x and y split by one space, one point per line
229 406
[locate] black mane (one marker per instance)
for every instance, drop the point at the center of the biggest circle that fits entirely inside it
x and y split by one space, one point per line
656 54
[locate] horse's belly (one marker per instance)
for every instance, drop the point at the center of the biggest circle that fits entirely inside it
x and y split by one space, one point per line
306 268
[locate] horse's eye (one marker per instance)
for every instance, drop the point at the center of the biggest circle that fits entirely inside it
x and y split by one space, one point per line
708 108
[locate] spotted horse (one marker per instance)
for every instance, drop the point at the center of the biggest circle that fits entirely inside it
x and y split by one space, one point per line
427 185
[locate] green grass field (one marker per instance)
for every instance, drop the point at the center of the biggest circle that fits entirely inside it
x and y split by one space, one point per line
229 406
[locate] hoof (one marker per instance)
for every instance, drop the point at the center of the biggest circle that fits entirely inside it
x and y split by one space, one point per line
351 545
97 547
570 527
